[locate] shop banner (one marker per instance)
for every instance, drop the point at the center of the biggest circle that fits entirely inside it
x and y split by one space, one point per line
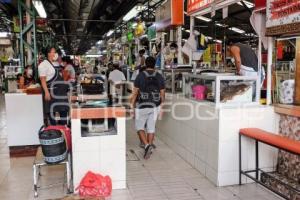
260 4
196 5
283 17
170 14
177 10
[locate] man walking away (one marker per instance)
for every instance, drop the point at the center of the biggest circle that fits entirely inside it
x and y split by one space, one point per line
148 95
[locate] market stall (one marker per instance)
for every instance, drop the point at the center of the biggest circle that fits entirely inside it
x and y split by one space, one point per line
203 123
23 121
98 140
282 23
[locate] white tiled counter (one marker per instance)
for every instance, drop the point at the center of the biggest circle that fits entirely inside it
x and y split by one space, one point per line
100 154
24 118
207 136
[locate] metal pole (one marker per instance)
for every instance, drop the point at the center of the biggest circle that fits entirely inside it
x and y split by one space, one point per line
35 54
269 71
259 70
256 160
162 63
20 11
297 73
240 159
28 34
150 48
192 24
179 44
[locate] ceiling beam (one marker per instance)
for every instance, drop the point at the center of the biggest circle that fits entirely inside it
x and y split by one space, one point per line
84 20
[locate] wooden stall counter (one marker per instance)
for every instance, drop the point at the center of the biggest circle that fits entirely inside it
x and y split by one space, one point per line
94 113
290 110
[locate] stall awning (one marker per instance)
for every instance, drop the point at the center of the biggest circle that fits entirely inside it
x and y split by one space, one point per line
203 7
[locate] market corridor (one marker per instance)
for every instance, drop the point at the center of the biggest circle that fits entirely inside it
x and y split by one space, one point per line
164 176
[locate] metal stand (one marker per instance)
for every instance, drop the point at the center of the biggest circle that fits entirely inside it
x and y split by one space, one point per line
258 171
39 162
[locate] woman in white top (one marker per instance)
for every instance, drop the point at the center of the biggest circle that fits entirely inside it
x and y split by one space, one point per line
116 78
54 89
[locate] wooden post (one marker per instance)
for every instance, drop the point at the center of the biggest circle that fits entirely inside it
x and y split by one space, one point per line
297 75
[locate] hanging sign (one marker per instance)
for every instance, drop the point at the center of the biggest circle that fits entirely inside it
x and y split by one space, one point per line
196 5
169 14
283 17
151 32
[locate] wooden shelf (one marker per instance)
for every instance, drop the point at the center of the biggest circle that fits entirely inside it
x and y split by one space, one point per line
291 110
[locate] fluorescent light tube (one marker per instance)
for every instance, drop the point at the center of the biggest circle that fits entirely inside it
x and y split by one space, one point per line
109 33
133 13
204 18
237 30
220 25
39 8
93 56
134 25
3 34
247 3
218 41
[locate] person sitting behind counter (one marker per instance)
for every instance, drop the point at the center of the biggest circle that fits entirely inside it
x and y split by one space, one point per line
69 73
26 79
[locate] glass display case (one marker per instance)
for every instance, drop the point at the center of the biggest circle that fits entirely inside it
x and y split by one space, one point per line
285 70
173 78
218 88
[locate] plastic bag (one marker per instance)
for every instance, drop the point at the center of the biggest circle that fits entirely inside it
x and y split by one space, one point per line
95 185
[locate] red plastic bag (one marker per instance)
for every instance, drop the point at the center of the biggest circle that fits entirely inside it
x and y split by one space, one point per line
95 185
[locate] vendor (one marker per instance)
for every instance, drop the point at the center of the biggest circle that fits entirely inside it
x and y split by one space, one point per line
245 59
27 78
54 90
141 58
69 73
115 79
116 75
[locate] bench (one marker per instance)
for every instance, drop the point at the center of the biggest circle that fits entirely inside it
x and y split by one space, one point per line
39 162
277 141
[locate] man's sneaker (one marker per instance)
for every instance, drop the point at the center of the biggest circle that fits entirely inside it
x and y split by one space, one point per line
154 146
148 152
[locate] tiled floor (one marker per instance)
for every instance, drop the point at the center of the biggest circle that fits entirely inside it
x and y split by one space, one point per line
165 176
